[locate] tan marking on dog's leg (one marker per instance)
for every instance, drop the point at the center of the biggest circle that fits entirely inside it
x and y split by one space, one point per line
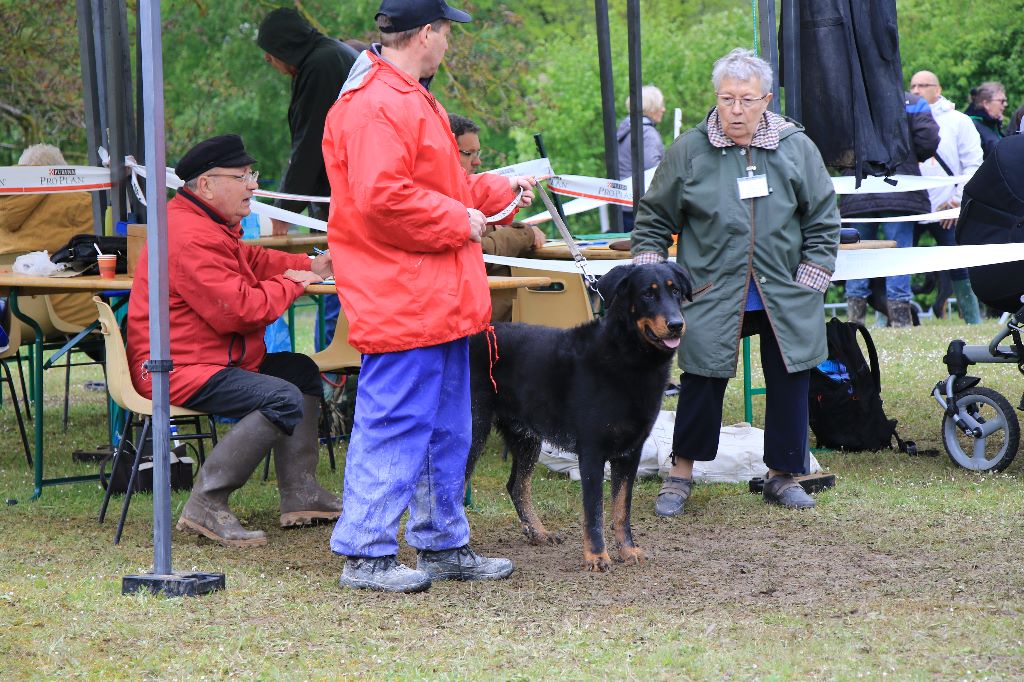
595 561
628 551
533 527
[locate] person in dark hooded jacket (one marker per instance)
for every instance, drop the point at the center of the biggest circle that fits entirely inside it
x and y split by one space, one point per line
924 138
318 67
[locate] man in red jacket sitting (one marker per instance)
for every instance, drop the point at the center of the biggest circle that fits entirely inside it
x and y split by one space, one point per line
407 221
222 293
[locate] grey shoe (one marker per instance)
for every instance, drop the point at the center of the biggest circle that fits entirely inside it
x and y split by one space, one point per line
672 496
900 315
786 491
382 574
462 563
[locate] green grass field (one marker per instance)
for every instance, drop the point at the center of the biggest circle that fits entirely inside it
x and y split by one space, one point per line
910 568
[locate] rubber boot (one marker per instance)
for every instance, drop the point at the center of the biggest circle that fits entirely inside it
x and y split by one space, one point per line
303 501
226 469
856 309
967 301
899 314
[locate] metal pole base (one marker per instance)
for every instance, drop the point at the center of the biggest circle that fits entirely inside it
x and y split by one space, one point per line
173 585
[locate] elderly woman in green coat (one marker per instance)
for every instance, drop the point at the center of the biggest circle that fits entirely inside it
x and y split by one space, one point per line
748 194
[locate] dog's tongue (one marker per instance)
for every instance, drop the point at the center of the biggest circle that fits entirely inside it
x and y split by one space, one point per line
671 343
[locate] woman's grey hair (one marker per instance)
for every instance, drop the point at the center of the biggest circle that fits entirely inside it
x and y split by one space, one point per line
651 98
987 91
743 65
42 155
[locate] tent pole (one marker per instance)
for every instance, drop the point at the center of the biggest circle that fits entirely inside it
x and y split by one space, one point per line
791 57
769 47
611 147
636 103
163 580
93 127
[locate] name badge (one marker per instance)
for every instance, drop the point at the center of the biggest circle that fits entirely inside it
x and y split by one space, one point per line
753 186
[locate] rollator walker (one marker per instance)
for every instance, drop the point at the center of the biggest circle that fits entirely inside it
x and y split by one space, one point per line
980 428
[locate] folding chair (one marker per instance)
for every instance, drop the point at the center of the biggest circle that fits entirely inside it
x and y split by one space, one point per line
123 393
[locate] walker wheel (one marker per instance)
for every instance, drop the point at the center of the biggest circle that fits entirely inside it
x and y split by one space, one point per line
997 446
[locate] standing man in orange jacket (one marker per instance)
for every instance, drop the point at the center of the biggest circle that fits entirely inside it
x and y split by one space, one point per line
407 222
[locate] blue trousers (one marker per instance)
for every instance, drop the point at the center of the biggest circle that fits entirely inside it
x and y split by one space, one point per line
408 450
897 288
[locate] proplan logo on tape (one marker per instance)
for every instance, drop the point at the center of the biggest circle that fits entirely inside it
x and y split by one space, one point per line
45 179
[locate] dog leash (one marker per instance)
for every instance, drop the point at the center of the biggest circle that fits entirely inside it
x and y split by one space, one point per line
577 255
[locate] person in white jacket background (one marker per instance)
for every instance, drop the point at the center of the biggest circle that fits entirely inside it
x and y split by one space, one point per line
959 153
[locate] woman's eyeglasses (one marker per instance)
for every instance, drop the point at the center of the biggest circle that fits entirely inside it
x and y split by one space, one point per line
745 102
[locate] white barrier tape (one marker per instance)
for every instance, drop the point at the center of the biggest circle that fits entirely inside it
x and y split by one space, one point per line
538 168
291 197
287 216
867 263
569 208
903 183
852 264
48 179
933 217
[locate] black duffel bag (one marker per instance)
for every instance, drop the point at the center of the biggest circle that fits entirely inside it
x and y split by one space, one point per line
79 254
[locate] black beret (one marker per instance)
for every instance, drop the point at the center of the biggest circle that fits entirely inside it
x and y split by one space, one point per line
409 14
223 151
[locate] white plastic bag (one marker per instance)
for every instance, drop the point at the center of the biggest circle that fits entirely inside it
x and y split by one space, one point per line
740 455
36 263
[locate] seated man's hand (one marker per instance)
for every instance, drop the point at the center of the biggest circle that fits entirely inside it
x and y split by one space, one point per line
538 237
280 227
303 277
323 265
524 182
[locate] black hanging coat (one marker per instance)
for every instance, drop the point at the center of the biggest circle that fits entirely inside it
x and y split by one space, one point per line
852 84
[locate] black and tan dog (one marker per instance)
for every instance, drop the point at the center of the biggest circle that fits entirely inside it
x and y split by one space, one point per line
594 390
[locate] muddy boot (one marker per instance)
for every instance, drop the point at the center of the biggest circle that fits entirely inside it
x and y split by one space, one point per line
967 301
856 309
226 469
303 501
899 314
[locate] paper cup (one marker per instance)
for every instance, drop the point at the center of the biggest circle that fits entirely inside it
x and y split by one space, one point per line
108 265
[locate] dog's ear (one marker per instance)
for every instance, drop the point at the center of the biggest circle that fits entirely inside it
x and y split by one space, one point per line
612 282
679 272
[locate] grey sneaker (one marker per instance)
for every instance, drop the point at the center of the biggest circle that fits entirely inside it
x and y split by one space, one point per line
383 574
786 491
462 563
672 496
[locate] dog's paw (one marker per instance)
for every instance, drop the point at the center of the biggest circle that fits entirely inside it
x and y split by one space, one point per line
633 555
597 562
541 536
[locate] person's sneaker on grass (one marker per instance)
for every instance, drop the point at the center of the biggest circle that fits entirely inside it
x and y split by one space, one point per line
382 574
462 563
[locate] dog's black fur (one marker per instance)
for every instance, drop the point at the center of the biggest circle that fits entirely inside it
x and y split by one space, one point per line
594 390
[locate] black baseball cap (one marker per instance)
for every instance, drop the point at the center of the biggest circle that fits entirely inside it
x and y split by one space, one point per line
223 151
409 14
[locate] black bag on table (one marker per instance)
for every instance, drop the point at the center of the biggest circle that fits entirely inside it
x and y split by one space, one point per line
80 253
845 395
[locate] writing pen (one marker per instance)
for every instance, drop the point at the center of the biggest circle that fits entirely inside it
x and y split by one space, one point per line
318 252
